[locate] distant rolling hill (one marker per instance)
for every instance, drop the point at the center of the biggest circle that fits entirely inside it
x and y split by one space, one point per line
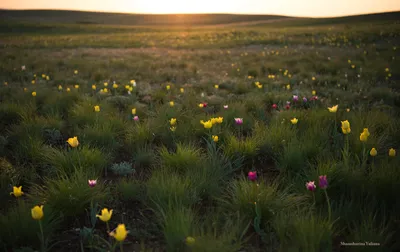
83 17
50 17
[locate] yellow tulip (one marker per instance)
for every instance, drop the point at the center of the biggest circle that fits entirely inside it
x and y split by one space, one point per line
172 122
33 82
105 84
134 111
182 90
346 127
201 105
105 90
105 215
168 87
313 78
171 104
47 77
115 85
314 92
119 233
373 152
76 72
59 87
392 152
94 87
366 132
68 89
73 141
97 108
76 86
207 125
216 86
288 86
37 212
294 120
213 121
173 128
17 191
33 93
333 109
363 137
215 138
220 119
190 240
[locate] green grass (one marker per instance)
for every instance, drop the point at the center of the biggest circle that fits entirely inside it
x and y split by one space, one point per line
179 183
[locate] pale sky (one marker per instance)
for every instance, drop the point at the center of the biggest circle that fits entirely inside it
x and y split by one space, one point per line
310 8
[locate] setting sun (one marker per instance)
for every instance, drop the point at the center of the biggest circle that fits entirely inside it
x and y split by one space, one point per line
311 8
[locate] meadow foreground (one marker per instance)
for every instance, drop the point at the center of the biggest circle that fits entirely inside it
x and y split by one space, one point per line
263 137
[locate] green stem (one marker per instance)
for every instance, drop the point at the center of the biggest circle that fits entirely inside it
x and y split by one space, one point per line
121 247
364 160
329 205
108 227
314 198
42 236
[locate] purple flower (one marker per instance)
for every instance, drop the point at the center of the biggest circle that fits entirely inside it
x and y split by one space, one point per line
136 118
239 121
92 183
295 98
252 175
304 99
323 182
288 103
311 186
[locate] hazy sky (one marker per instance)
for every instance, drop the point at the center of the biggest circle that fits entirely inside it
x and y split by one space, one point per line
311 8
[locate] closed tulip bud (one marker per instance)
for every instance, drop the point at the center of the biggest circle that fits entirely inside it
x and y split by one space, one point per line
190 240
119 233
373 152
37 212
323 182
252 175
215 138
73 141
392 152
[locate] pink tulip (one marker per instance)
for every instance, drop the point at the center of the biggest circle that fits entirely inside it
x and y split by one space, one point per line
323 182
239 121
252 175
92 183
311 186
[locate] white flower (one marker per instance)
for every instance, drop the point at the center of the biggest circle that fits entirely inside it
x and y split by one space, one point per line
134 84
202 94
23 67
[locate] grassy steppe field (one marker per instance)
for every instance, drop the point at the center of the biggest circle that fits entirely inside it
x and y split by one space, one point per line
202 133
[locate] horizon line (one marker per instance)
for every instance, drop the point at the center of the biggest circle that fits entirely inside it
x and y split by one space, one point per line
214 13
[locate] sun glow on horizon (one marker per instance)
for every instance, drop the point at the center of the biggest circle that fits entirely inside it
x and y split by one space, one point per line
310 8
